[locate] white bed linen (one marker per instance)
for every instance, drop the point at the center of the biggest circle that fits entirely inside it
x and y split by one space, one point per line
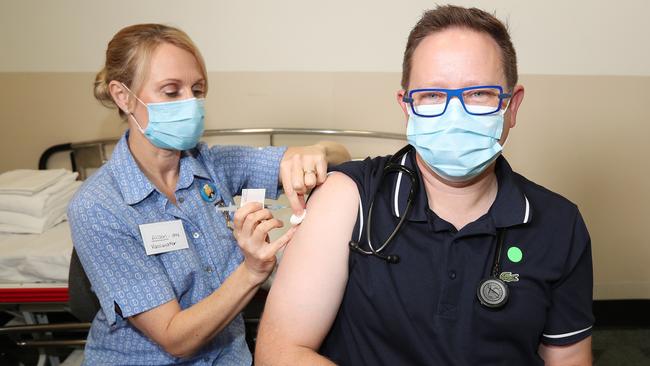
41 203
28 181
34 258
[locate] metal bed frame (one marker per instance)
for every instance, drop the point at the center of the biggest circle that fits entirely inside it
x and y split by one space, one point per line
92 154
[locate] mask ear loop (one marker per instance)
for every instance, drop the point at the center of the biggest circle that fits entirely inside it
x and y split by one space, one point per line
131 113
503 112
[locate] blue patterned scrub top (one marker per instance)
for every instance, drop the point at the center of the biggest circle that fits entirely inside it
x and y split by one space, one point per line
104 218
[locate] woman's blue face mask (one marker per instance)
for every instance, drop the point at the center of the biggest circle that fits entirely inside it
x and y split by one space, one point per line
176 125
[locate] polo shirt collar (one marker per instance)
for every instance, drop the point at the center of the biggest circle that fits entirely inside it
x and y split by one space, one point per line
511 206
132 182
190 167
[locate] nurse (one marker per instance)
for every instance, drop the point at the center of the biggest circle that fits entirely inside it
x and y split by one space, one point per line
168 271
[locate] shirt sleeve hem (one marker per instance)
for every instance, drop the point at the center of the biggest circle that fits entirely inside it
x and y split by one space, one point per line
138 309
567 338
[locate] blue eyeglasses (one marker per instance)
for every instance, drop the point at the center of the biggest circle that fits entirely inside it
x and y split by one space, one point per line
477 100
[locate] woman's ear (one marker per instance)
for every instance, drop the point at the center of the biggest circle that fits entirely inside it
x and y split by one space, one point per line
120 95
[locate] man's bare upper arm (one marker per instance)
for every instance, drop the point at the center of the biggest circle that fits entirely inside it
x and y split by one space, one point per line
576 354
309 285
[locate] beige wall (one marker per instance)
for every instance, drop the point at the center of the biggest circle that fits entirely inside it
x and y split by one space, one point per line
577 37
571 137
582 129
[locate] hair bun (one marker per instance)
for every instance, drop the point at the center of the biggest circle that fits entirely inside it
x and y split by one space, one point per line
101 91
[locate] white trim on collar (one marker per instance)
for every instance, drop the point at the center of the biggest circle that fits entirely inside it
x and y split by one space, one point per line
527 214
397 186
360 219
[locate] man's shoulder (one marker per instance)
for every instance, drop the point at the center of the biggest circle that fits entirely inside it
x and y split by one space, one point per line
361 170
542 197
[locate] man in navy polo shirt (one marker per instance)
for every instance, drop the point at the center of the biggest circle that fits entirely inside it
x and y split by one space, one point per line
486 268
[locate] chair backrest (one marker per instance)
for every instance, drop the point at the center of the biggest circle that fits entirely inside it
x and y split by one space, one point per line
83 303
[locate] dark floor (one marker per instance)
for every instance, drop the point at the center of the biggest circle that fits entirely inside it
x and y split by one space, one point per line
618 346
611 346
621 336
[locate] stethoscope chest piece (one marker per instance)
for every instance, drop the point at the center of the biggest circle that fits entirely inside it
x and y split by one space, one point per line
492 292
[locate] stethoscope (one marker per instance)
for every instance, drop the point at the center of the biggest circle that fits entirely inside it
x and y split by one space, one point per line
492 292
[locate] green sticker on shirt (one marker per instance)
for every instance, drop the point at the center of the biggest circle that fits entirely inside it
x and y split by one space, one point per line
515 255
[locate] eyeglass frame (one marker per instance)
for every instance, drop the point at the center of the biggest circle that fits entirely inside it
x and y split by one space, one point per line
458 93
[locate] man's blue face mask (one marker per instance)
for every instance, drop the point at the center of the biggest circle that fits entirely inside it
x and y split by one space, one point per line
456 145
176 125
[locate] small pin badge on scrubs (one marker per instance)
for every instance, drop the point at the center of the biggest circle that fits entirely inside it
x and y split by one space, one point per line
209 192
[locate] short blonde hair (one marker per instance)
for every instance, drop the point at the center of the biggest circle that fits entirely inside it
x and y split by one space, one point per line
128 57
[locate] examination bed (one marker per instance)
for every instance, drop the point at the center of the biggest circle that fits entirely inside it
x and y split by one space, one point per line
36 274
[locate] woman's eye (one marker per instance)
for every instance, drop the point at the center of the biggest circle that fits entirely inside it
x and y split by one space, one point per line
198 93
171 93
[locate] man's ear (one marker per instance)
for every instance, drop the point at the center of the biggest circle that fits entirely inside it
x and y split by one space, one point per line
120 95
400 100
515 102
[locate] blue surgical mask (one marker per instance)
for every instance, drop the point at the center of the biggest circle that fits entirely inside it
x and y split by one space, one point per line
174 125
456 145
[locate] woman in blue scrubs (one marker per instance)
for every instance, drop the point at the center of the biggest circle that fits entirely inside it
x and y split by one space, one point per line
169 274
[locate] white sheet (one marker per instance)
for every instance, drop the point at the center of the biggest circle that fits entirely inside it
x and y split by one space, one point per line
42 202
36 257
20 223
28 182
16 223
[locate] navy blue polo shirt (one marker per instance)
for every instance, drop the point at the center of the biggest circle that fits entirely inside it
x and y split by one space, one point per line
424 309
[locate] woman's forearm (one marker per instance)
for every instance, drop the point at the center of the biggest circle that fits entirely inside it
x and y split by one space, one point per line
183 332
335 153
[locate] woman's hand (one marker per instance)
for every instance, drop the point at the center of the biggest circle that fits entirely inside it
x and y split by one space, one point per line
252 226
303 168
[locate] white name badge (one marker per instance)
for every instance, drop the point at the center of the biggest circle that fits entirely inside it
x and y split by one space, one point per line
163 237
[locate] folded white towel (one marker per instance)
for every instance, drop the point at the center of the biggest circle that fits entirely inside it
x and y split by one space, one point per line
36 257
28 182
19 223
11 222
40 203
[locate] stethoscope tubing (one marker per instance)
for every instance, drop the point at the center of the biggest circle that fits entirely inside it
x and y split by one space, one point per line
392 167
